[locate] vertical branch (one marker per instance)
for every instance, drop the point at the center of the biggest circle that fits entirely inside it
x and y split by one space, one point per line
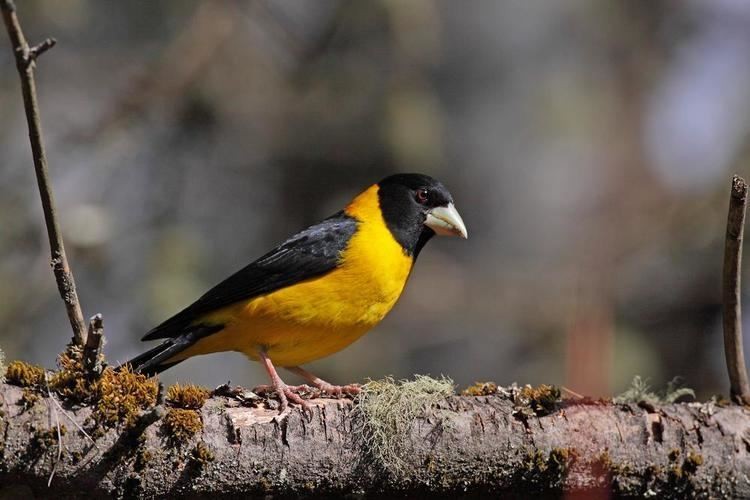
25 57
732 311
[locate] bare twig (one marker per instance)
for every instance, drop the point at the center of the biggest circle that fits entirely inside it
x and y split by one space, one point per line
41 48
25 57
92 351
739 387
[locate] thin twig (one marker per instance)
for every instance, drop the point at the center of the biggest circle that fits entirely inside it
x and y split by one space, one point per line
25 57
739 387
41 48
76 424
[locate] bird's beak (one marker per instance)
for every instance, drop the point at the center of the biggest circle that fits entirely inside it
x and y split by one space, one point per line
446 221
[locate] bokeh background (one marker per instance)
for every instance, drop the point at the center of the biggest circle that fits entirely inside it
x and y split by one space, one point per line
589 146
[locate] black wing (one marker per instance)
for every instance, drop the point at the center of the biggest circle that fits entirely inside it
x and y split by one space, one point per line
308 254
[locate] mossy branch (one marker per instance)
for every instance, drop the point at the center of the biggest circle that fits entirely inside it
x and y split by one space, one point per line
412 438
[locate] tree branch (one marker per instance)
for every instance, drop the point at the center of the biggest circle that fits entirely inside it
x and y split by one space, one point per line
459 445
732 309
25 57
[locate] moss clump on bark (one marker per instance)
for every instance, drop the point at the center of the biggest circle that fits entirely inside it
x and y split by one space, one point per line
534 401
547 471
71 381
29 397
385 411
480 389
24 374
202 455
122 395
118 396
189 396
179 425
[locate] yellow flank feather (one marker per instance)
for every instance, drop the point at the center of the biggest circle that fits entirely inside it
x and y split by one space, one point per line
320 316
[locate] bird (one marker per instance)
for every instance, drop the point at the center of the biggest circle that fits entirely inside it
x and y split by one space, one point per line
315 293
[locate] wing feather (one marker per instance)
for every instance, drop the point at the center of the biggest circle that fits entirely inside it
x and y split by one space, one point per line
308 254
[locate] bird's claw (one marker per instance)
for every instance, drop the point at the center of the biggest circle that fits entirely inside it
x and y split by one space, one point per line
340 390
286 393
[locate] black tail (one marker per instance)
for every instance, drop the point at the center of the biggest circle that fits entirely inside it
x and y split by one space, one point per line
152 361
156 360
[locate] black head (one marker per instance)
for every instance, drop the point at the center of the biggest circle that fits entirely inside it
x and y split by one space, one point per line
416 207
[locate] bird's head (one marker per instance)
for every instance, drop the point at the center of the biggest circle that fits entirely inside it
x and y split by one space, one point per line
416 207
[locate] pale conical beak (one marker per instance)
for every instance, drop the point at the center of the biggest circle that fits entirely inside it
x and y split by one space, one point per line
446 221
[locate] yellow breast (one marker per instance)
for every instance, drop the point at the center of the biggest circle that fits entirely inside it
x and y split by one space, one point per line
318 317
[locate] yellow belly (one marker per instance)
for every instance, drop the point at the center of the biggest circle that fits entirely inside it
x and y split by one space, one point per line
318 317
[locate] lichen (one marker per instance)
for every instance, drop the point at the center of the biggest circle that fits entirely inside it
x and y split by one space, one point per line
385 411
640 392
189 397
24 374
2 367
179 425
480 389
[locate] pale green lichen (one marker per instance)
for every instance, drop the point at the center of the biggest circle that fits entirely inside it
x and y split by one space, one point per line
2 367
386 410
640 392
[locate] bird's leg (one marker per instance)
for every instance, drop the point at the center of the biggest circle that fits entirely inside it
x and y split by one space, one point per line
284 392
334 390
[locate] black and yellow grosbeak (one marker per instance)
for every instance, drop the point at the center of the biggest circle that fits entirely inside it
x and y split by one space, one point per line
317 292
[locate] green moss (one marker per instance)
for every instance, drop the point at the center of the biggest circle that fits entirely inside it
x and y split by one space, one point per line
71 381
179 425
118 396
692 462
122 395
41 441
385 411
44 439
480 389
202 455
24 374
534 401
188 396
562 458
541 471
142 458
29 397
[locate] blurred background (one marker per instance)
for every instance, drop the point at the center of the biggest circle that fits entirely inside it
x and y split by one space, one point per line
589 146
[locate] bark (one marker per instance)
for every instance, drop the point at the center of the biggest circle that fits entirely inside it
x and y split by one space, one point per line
461 445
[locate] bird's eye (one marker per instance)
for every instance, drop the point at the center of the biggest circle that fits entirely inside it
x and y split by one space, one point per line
421 196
